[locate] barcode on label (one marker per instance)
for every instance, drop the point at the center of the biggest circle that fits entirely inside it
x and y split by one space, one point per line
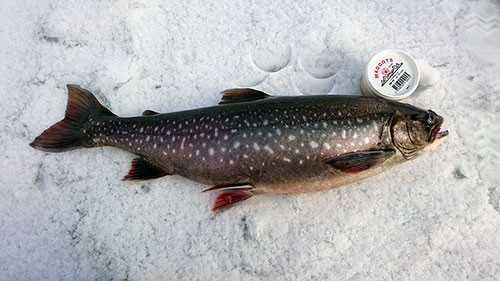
401 81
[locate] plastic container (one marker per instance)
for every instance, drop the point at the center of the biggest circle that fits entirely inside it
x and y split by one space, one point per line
390 74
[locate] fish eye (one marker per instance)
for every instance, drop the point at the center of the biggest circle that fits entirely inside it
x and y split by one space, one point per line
431 117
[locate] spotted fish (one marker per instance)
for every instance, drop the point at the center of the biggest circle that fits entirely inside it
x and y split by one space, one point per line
254 143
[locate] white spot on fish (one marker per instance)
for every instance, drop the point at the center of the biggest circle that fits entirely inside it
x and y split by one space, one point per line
155 145
355 136
256 146
278 132
344 134
291 137
265 122
231 162
211 151
297 151
367 140
251 168
287 159
245 156
236 145
326 146
226 137
301 162
282 146
313 144
197 152
268 149
223 149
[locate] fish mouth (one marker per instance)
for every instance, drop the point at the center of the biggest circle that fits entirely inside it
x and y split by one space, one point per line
437 134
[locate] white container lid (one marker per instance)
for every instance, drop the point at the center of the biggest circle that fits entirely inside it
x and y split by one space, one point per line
390 74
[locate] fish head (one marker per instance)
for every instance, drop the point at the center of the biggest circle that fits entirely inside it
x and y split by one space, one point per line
414 130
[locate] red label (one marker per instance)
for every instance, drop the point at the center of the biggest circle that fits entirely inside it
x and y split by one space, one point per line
379 66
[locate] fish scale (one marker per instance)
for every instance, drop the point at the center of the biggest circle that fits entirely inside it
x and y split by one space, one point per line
251 143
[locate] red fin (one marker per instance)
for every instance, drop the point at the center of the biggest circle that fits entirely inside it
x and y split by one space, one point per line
228 198
241 95
356 162
141 169
65 134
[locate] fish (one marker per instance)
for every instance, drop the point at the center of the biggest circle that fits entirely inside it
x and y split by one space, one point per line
253 143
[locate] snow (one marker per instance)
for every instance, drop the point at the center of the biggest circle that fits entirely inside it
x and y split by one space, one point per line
69 216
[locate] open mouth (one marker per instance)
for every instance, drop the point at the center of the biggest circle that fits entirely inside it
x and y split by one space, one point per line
437 134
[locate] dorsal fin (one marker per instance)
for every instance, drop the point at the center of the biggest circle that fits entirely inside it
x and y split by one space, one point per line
149 112
242 95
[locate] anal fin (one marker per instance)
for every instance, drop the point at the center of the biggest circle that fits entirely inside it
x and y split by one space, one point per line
355 162
142 169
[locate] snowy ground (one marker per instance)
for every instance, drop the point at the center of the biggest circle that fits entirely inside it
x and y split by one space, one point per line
70 217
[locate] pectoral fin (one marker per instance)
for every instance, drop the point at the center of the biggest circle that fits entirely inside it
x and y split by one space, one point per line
241 95
360 161
142 169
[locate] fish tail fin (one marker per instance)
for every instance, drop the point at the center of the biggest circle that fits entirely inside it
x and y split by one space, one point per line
67 134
